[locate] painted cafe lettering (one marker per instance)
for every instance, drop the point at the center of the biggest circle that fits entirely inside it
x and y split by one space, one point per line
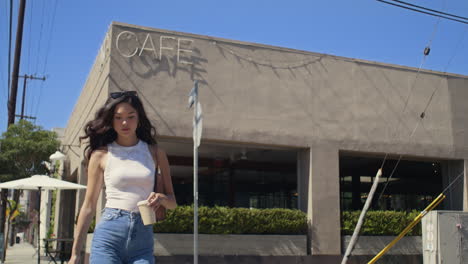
166 43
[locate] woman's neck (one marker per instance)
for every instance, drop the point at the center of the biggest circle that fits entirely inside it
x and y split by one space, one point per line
127 142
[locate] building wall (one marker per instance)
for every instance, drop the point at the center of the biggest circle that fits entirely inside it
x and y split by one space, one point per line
93 95
262 94
252 93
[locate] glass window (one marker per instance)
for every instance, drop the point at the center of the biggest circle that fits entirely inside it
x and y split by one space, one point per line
262 181
412 185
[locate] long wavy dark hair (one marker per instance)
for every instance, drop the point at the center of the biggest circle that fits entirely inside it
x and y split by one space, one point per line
100 131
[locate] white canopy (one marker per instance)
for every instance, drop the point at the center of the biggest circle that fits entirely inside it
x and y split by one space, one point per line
41 181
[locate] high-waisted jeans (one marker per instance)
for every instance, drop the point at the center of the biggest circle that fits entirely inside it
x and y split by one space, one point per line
120 237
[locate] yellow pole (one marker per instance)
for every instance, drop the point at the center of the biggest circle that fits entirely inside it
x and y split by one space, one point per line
416 220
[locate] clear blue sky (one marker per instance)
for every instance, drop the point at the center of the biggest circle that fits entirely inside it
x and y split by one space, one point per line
62 37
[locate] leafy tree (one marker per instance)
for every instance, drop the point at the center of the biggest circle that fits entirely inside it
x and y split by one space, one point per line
23 148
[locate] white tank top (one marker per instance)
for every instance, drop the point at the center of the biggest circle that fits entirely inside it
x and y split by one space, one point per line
128 176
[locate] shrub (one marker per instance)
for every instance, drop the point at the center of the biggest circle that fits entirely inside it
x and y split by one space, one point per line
380 223
92 225
224 220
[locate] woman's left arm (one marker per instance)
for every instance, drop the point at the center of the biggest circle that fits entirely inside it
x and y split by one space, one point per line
166 199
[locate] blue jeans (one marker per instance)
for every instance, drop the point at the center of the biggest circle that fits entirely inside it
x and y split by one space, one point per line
120 237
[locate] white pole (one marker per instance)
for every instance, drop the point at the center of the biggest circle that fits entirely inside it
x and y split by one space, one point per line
361 217
195 185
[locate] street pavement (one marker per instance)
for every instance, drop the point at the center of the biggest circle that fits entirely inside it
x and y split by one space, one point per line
22 253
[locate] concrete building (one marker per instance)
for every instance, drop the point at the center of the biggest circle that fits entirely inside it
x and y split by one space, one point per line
283 127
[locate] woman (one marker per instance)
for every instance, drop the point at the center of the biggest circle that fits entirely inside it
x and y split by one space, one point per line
119 155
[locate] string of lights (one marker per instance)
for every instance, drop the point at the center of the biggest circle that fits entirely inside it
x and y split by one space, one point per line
268 63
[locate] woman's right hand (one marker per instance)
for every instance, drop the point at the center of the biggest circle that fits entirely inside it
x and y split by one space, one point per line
74 259
155 199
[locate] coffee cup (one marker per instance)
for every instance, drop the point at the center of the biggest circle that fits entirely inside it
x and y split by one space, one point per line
146 212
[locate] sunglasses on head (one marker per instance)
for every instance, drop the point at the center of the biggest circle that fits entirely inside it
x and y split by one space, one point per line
116 95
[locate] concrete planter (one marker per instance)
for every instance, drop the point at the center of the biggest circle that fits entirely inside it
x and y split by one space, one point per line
407 250
371 245
232 245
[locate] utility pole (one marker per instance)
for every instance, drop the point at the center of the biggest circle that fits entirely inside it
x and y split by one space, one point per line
11 117
26 77
16 64
9 47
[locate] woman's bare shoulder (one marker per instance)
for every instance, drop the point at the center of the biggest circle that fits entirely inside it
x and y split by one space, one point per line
160 150
99 152
156 149
98 155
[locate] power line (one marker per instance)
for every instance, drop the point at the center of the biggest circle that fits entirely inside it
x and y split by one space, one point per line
424 12
455 180
29 57
26 77
403 111
423 113
425 54
428 47
30 34
421 117
52 26
50 36
40 38
38 58
31 60
431 10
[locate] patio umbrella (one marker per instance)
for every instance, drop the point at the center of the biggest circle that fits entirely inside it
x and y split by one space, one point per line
39 183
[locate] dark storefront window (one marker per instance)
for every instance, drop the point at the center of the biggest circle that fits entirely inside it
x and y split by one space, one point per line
251 183
251 189
413 185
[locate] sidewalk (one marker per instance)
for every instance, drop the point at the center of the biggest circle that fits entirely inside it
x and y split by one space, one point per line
21 253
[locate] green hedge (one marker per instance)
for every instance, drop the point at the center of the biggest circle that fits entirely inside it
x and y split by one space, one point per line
380 223
224 220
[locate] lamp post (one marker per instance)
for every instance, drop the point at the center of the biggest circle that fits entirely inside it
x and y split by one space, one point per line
57 156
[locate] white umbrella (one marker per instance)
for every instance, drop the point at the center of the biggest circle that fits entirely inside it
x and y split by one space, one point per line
39 182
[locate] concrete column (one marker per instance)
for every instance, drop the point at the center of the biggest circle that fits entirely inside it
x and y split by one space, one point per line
303 172
450 171
80 194
323 210
67 214
465 186
58 209
58 202
45 216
